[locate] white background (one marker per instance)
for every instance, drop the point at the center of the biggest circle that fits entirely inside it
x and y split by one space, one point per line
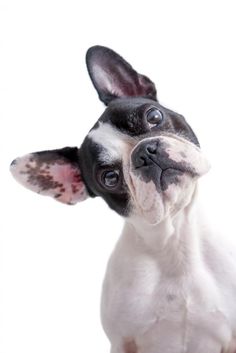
52 256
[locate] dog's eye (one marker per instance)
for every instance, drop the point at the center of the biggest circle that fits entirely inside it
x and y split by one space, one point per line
154 116
110 178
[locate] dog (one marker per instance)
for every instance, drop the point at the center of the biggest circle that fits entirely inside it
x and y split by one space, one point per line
170 284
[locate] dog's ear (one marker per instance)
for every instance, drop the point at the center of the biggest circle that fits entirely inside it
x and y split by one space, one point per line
113 77
55 173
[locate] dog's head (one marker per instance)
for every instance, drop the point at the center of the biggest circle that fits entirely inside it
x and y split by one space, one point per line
140 157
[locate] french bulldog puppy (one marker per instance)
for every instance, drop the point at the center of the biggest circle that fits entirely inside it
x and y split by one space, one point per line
170 285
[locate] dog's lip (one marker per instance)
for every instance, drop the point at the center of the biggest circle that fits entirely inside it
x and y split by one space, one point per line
133 191
142 211
162 176
181 168
132 188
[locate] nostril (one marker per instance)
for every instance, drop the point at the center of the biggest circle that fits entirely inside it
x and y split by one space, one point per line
143 161
152 149
139 160
145 154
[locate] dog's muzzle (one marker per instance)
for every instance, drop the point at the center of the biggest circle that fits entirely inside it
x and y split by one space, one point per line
151 162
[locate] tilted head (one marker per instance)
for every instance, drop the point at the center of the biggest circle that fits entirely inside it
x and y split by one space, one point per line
140 157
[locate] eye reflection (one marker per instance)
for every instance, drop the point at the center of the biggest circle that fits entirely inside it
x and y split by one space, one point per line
154 116
110 178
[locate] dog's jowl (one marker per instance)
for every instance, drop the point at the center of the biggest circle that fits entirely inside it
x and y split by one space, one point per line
170 285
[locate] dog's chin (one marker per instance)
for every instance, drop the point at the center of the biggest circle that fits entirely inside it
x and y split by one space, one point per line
156 204
156 212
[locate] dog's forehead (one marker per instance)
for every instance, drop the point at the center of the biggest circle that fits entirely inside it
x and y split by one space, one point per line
125 114
113 131
117 127
123 124
109 140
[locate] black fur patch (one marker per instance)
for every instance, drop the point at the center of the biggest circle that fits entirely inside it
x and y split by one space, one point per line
127 115
90 165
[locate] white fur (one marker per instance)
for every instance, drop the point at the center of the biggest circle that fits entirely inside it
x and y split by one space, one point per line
170 284
111 141
170 288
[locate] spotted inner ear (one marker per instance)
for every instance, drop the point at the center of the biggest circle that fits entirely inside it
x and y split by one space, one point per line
53 173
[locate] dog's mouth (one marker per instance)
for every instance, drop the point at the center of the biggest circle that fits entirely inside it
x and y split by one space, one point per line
152 188
169 176
163 173
165 161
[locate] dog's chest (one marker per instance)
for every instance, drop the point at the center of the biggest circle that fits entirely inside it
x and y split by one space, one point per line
140 301
128 295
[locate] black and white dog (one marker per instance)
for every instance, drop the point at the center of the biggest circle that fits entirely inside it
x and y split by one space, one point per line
170 285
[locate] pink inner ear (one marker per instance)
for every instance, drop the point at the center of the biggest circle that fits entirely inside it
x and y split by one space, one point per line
67 184
106 81
57 178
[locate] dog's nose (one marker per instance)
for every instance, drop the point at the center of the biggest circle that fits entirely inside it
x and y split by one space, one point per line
144 154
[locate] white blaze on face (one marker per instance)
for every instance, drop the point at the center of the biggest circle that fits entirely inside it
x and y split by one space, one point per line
112 142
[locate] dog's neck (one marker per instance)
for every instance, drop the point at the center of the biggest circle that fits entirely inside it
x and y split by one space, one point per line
174 242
